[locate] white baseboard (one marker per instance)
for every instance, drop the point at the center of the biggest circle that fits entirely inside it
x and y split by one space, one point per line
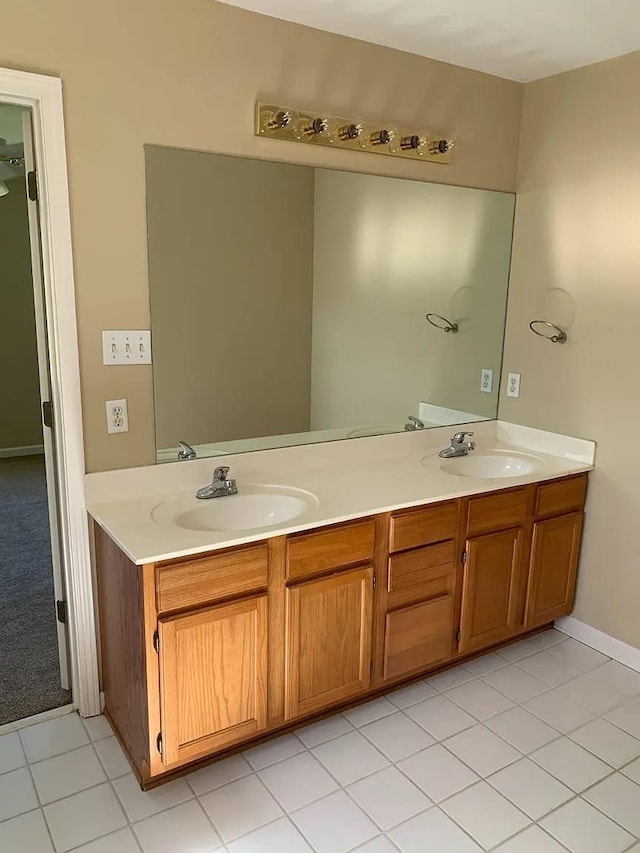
601 642
27 450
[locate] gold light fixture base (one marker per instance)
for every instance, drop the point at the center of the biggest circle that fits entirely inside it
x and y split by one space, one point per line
317 128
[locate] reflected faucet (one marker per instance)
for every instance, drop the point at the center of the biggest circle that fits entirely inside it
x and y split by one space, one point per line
187 452
414 424
221 486
458 446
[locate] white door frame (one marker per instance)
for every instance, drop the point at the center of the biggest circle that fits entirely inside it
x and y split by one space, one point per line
44 96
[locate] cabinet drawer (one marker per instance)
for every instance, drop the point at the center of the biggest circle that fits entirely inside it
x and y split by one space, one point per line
497 512
418 637
421 573
561 496
190 584
311 554
414 528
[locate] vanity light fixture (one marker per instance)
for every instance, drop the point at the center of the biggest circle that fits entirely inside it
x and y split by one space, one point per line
558 336
351 133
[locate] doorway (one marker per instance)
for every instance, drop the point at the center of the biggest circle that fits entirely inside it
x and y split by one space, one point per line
34 658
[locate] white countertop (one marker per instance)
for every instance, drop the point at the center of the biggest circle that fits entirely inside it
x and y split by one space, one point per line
350 479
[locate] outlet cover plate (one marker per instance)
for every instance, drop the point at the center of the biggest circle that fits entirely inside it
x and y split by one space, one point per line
126 347
486 380
513 385
117 416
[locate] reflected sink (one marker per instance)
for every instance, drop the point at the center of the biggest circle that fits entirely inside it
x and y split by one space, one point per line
255 506
492 464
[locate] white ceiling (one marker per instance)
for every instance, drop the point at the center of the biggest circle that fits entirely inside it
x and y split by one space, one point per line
521 40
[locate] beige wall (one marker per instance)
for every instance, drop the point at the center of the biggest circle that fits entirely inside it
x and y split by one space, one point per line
577 263
385 254
231 277
20 424
188 74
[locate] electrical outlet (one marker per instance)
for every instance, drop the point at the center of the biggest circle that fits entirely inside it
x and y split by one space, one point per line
486 380
117 416
513 385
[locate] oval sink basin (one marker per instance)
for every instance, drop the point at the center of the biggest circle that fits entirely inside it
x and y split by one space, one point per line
492 464
255 506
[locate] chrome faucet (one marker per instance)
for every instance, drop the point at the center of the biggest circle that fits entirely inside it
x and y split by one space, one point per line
186 452
221 486
414 424
458 446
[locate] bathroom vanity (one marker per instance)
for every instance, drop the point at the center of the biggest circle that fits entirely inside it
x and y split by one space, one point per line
231 636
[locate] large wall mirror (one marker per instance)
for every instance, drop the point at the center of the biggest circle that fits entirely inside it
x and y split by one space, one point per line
289 303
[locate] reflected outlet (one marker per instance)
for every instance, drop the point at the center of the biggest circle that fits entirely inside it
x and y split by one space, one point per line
486 380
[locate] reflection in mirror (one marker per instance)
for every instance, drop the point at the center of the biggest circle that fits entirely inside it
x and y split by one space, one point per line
289 303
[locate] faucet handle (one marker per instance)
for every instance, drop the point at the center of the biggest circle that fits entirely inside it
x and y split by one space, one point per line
220 474
187 452
459 437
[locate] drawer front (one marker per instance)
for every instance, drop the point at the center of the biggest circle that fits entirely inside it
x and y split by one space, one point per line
422 573
418 637
497 512
414 528
311 554
561 496
191 584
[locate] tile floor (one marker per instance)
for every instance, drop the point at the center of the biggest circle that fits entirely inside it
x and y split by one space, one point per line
533 749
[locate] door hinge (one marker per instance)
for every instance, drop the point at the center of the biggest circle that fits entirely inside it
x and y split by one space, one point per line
156 641
375 582
458 636
32 185
159 743
47 414
464 557
61 612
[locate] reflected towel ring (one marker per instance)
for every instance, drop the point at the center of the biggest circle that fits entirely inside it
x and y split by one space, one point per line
559 338
448 325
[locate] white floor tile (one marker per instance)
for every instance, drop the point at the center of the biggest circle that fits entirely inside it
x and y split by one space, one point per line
482 750
440 717
521 729
325 730
633 771
412 694
97 727
11 753
298 781
53 737
626 717
28 832
350 757
549 638
139 804
17 794
272 751
67 774
370 711
438 772
83 817
485 664
571 764
182 829
397 736
335 824
577 655
112 758
281 836
218 774
241 807
432 831
485 814
388 797
444 681
530 788
621 678
594 691
583 829
519 650
532 840
479 699
515 683
379 844
122 841
619 798
559 711
548 667
608 742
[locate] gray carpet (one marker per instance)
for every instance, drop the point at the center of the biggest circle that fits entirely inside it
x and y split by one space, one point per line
29 669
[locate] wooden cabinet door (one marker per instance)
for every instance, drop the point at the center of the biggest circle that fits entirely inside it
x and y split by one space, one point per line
490 588
328 639
418 636
213 678
552 573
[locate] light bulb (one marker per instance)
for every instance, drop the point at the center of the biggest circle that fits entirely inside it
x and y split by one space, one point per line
440 146
311 128
278 119
373 137
341 131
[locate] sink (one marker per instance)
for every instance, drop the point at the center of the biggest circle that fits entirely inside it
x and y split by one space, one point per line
491 464
255 506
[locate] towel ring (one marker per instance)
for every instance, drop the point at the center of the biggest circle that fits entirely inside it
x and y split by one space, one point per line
448 325
559 338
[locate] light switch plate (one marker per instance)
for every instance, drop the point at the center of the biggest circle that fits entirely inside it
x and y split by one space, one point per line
513 385
486 380
126 347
